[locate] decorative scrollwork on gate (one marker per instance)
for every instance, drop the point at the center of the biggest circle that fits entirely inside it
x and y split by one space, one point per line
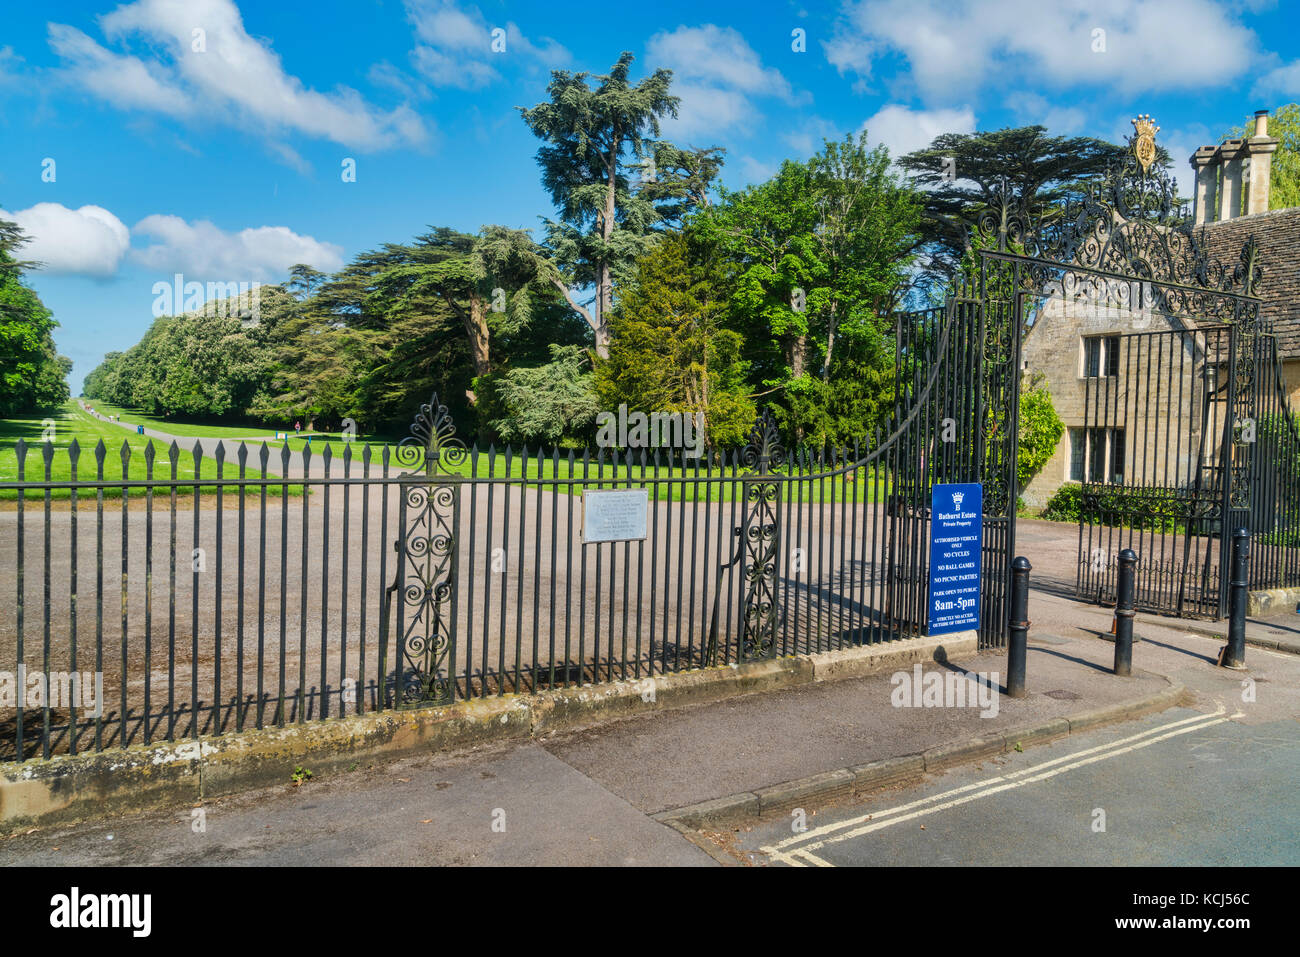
432 441
1128 222
997 382
426 566
762 540
1196 511
1244 417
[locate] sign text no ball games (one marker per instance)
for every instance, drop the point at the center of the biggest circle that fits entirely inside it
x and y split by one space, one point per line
956 537
615 515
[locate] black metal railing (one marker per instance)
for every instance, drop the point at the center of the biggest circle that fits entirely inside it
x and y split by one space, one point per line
265 588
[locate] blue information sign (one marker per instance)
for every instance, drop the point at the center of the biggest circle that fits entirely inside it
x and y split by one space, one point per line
956 537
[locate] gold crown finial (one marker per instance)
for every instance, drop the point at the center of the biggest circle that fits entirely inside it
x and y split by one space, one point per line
1144 125
1144 143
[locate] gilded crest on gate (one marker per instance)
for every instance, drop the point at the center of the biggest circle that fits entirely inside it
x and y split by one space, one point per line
1144 143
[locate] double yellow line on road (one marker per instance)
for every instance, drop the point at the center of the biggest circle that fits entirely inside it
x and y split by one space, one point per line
800 850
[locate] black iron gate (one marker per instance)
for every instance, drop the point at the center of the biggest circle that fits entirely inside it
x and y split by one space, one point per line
1188 437
1156 449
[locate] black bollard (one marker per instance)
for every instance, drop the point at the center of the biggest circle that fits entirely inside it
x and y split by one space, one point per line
1234 656
1124 612
1019 637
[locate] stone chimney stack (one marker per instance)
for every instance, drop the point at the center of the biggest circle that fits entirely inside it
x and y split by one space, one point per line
1232 179
1230 156
1207 183
1259 151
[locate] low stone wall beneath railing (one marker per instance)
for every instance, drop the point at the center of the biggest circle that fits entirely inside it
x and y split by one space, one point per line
71 788
1272 601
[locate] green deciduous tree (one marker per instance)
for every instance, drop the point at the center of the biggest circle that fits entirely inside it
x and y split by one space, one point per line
198 364
820 256
1284 172
1040 431
32 373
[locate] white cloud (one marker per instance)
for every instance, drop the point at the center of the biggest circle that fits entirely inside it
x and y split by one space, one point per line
756 171
717 74
203 251
124 81
718 55
234 78
954 49
1282 81
903 130
454 45
445 69
385 74
706 110
89 241
850 53
10 65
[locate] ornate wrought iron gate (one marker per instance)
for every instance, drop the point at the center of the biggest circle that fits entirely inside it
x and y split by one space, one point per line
1174 389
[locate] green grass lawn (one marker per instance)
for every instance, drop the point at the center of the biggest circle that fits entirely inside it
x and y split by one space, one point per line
675 484
182 428
62 426
250 431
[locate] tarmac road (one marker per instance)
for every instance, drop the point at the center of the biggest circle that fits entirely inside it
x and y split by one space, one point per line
1175 789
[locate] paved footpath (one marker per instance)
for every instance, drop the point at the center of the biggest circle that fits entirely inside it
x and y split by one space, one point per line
1205 794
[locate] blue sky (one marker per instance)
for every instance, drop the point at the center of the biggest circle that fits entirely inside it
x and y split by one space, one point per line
208 137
